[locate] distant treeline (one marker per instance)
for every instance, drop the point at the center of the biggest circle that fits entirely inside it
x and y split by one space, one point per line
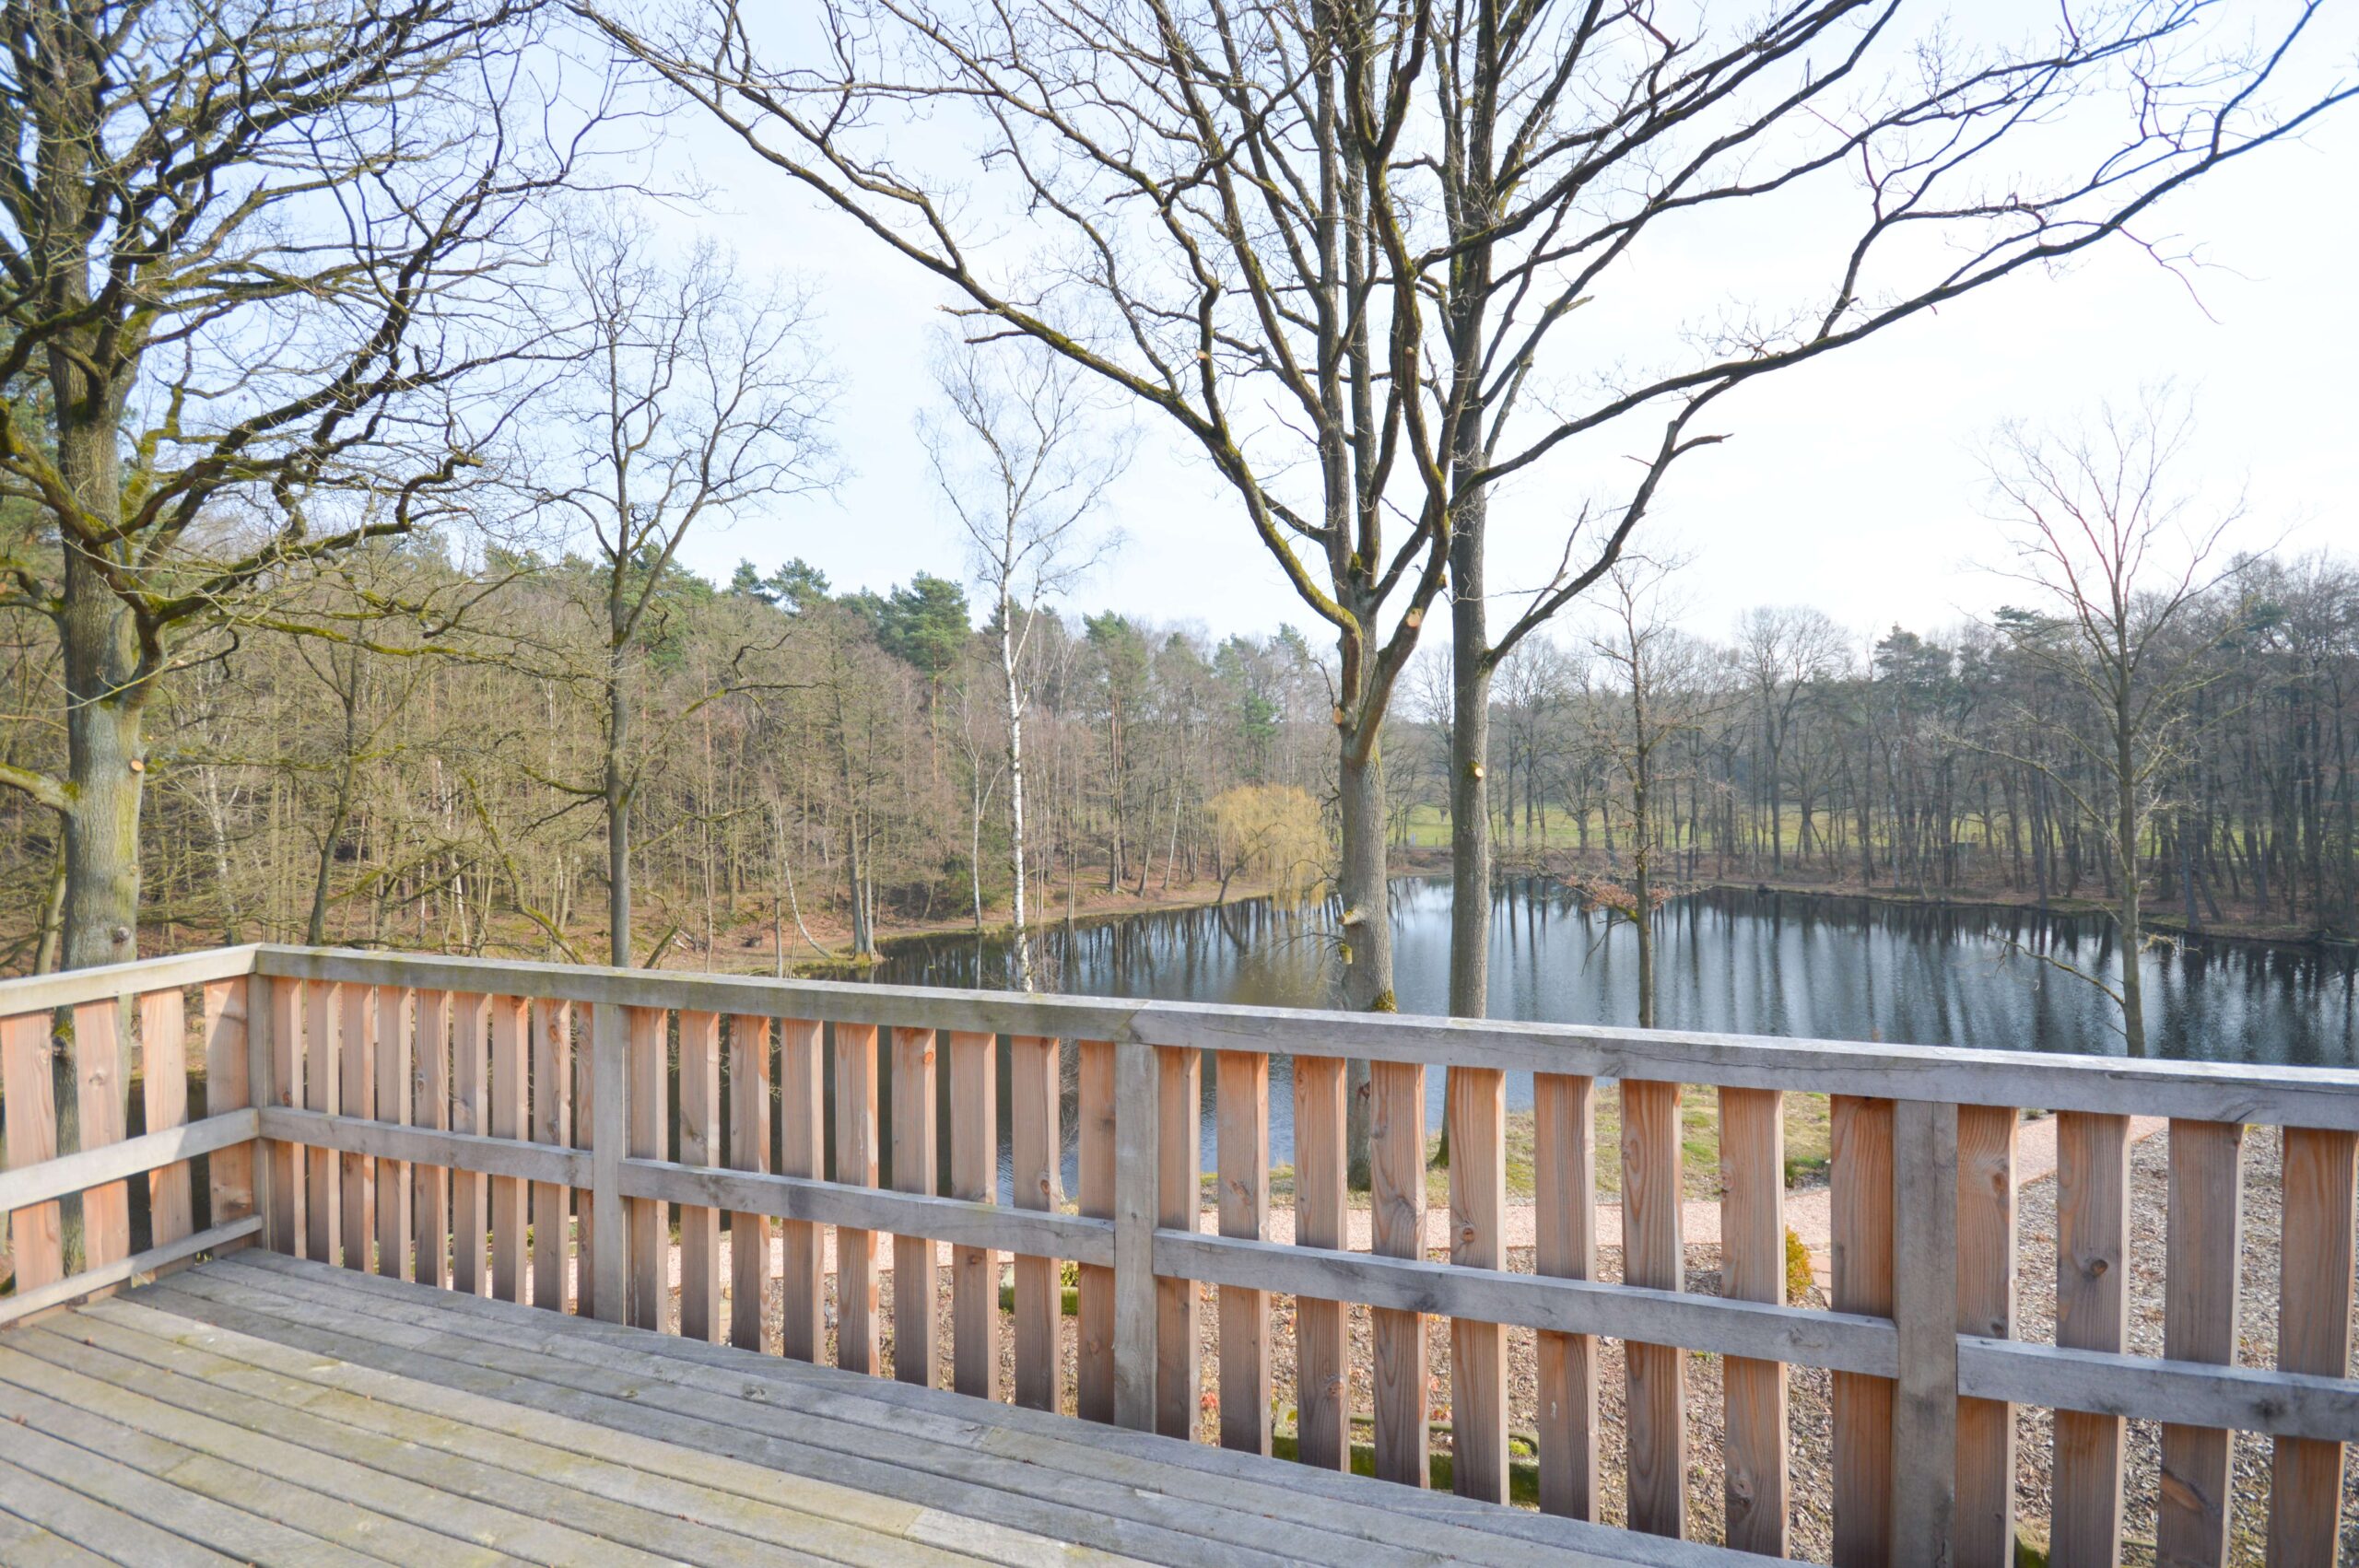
1965 763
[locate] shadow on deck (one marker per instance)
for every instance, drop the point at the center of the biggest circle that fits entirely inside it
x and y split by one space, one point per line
260 1408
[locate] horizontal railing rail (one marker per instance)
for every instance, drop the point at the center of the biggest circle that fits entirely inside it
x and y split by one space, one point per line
509 1128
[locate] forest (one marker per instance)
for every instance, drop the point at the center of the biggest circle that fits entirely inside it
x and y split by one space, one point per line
815 771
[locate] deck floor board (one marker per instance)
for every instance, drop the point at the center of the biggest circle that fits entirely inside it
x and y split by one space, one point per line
258 1409
209 1502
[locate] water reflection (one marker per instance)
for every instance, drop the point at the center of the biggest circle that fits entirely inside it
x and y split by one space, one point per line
1745 962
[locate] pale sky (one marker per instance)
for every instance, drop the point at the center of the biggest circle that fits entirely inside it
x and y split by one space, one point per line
1851 483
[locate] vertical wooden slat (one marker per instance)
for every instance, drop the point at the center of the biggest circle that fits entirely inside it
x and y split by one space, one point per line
1094 1322
916 1341
1138 1177
1753 1251
2091 1313
163 1079
36 1234
101 1069
699 1145
2313 1336
651 1233
1924 1273
1397 1229
395 1042
356 1088
283 1014
552 1091
1565 1248
1653 1255
430 1107
509 1115
469 1112
749 1150
228 1086
585 1136
324 1215
1860 1174
2203 1250
802 1141
856 1328
1475 1108
605 1260
1243 1151
1322 1356
1178 1344
1033 1139
1985 1528
974 1176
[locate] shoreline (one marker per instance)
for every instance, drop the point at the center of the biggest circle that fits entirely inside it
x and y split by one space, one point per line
1103 907
1987 901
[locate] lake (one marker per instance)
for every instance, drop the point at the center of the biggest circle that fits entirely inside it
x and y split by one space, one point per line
1744 963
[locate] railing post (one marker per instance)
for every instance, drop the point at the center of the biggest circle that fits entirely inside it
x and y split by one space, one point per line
609 1252
1136 1200
271 1200
1924 1310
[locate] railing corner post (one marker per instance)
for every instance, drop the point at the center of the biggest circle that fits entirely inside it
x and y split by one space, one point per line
260 1092
1924 1412
1136 1102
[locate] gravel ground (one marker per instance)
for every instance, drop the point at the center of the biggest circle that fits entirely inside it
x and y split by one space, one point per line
1811 1418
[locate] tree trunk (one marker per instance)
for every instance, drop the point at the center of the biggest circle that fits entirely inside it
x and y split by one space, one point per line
105 702
2128 828
104 758
1642 855
1016 848
316 929
1367 923
616 794
1469 743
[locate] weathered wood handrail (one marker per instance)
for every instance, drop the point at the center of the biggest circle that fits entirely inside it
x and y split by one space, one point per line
412 1107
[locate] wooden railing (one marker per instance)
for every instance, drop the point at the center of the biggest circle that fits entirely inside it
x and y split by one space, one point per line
509 1128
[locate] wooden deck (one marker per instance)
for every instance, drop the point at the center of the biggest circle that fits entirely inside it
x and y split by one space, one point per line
505 1133
260 1408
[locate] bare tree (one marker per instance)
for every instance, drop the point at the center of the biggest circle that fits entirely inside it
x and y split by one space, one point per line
1569 136
2119 561
692 397
246 257
1654 692
1782 652
1210 189
1019 457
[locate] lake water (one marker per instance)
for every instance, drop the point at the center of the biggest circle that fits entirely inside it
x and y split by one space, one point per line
1745 962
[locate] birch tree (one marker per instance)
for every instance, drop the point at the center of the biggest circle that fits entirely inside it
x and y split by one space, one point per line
1019 457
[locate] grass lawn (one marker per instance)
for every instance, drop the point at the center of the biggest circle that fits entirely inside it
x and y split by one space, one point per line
1806 1144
